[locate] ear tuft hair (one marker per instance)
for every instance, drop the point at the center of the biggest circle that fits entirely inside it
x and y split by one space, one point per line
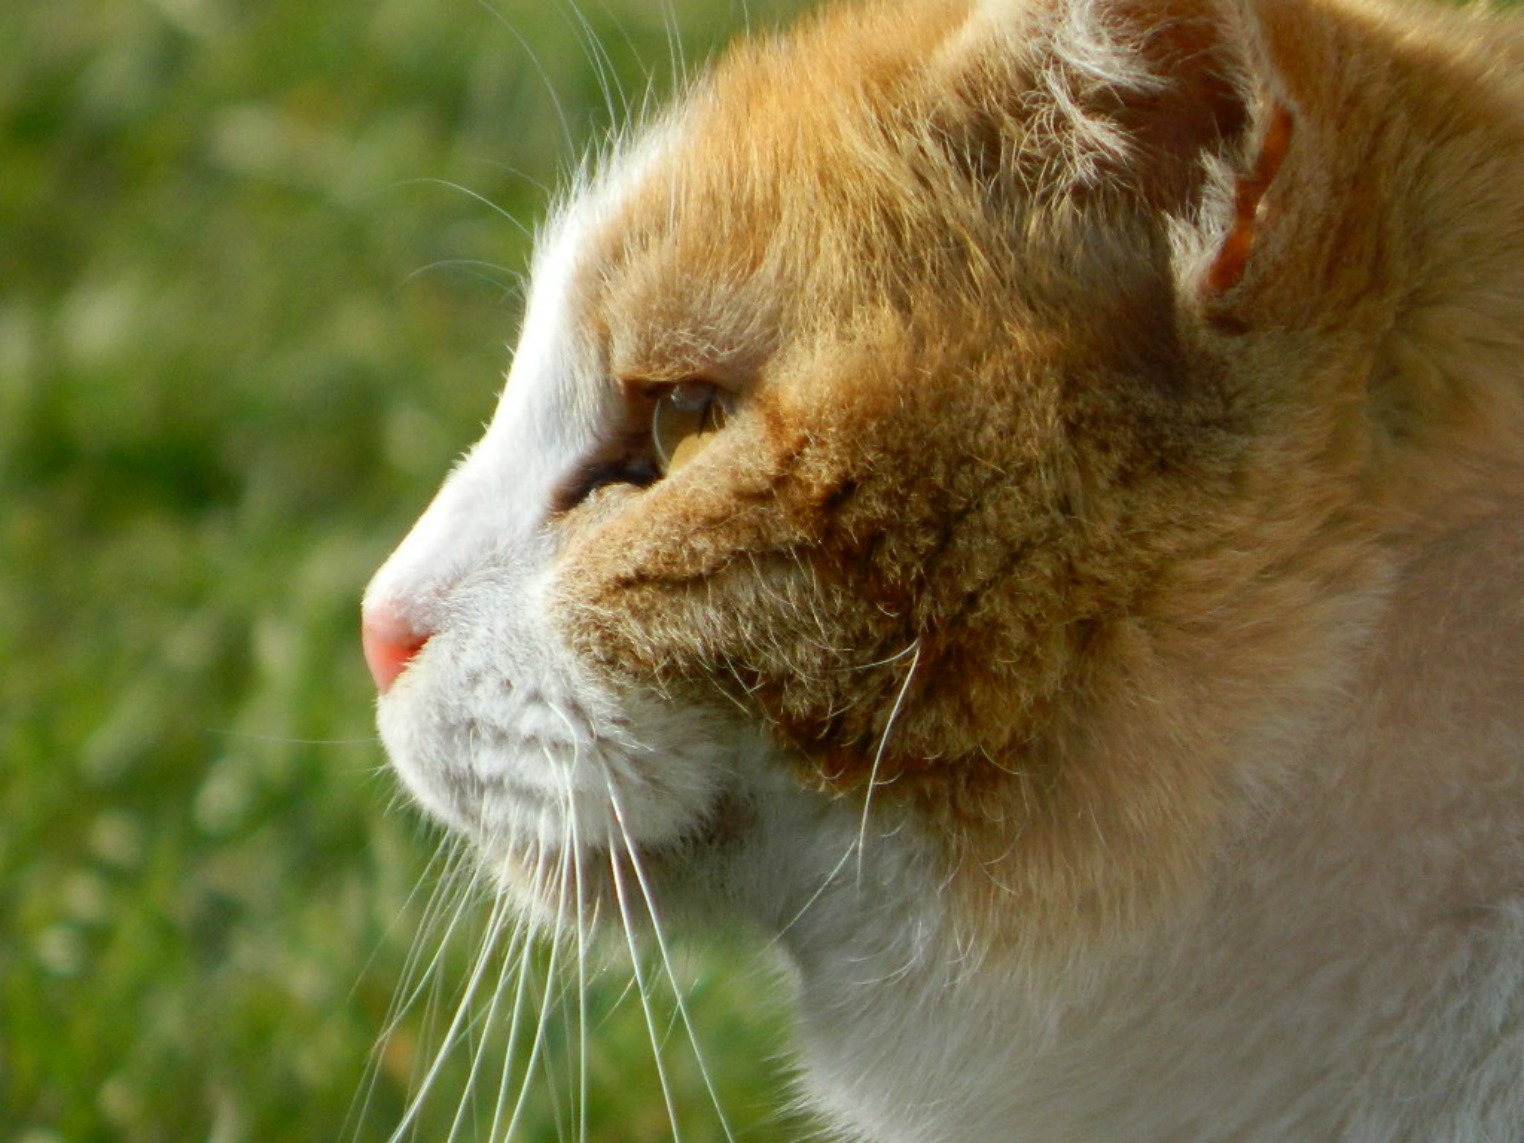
1173 102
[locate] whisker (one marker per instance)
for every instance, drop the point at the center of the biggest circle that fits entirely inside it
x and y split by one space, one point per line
563 1110
859 843
583 923
359 1108
572 857
664 952
825 883
463 908
448 184
634 53
601 62
455 1032
626 922
676 56
456 882
285 740
478 268
518 938
541 1017
878 756
518 957
567 135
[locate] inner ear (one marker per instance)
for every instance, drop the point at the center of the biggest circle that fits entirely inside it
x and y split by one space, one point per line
1203 108
1169 101
1232 260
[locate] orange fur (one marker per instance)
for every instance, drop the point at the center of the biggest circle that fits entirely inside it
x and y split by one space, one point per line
1119 527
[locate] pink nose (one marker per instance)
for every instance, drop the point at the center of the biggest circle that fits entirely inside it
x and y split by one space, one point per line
390 643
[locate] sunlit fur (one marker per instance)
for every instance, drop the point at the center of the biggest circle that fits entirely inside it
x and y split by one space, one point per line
1093 648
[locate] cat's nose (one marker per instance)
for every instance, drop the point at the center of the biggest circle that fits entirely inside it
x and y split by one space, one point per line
390 643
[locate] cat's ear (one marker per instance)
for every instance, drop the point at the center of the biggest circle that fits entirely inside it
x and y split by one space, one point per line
1172 101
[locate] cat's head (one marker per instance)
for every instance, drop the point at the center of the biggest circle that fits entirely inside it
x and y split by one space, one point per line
892 459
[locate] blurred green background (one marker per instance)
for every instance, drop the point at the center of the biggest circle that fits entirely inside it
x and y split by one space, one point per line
258 264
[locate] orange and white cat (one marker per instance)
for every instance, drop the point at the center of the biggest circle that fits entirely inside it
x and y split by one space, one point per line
1023 502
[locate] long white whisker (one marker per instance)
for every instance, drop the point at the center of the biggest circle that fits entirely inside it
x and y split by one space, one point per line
633 53
479 269
666 959
621 895
542 1019
574 857
602 64
520 954
456 1030
520 947
507 215
464 907
405 995
539 66
459 882
583 921
825 883
878 756
859 843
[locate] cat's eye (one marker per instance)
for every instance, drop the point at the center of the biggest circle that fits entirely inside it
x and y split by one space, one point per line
684 420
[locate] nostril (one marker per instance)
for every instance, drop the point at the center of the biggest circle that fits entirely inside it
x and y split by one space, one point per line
390 643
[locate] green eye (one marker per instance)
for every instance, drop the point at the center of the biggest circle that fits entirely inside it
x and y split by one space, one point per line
685 419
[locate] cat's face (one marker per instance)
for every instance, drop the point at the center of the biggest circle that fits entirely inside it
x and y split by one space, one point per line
868 452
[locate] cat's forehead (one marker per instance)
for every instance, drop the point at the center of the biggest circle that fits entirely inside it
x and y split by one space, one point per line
876 162
764 191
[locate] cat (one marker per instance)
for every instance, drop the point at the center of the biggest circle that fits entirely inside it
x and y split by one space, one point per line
1022 503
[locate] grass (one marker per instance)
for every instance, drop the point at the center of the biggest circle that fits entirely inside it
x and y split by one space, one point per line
247 320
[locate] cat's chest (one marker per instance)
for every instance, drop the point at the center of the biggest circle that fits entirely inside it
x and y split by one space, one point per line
1290 1000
